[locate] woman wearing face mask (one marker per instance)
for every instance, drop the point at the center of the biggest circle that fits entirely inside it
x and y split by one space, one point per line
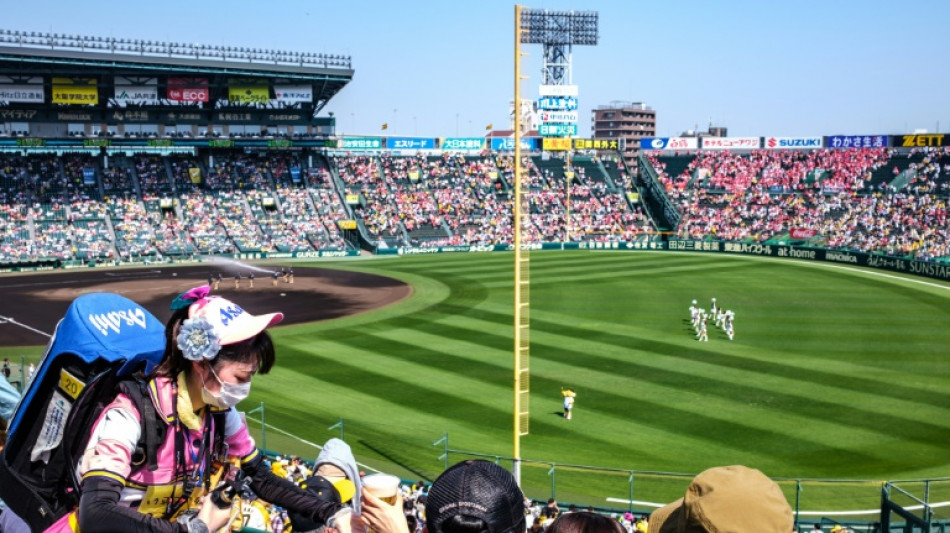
213 350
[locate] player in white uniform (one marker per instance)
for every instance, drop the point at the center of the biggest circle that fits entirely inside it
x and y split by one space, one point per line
728 323
703 336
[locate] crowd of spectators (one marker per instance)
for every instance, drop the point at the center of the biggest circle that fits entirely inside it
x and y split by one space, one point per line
363 176
871 200
835 196
152 174
134 237
470 197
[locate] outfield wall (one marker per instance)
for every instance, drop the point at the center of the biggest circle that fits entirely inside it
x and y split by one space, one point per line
860 259
914 267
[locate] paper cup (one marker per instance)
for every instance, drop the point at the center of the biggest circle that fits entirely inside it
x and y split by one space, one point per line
383 486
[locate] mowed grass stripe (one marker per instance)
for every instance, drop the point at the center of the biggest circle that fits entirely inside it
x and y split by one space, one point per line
794 363
590 269
792 391
676 349
484 407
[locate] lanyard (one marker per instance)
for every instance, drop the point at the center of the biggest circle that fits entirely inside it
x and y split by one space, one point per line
198 458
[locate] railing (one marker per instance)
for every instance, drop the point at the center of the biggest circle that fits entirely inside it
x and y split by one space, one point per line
423 454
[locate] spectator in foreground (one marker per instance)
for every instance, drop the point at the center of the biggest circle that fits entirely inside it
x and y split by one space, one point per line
737 499
475 497
585 522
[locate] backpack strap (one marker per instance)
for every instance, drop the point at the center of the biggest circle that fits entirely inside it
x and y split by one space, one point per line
153 428
220 448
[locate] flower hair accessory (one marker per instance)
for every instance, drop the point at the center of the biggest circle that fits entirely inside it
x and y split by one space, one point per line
198 340
187 298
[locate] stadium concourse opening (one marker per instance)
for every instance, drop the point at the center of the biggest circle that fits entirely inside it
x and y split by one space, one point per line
312 294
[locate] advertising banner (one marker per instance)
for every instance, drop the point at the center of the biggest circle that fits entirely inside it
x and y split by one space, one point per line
860 259
184 117
802 233
75 91
409 143
136 94
194 174
188 90
89 176
669 143
33 94
558 130
126 116
188 94
292 94
554 144
856 141
557 90
463 143
792 142
507 144
362 143
248 94
295 174
558 116
912 141
731 143
557 103
288 116
236 117
596 144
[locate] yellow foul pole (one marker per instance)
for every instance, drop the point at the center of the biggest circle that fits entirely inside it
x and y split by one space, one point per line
521 277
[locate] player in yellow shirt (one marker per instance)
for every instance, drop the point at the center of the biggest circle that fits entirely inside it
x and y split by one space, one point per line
569 396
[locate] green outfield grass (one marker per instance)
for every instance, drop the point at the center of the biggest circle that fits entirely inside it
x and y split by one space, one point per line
834 373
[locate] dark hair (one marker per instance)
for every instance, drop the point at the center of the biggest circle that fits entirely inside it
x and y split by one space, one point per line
258 350
585 522
460 523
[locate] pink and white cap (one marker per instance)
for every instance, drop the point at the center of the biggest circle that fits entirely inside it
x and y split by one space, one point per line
231 323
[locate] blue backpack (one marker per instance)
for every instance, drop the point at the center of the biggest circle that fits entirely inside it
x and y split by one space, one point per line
103 345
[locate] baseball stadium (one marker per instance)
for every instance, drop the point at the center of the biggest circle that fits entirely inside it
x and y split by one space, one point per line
440 293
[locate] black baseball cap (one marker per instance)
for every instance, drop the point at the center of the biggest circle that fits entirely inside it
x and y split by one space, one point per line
325 492
476 489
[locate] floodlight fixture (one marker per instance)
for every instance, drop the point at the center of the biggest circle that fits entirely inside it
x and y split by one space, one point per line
558 31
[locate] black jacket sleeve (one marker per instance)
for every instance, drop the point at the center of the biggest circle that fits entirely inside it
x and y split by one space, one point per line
100 512
277 491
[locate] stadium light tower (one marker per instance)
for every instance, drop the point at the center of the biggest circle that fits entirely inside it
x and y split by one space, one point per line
558 31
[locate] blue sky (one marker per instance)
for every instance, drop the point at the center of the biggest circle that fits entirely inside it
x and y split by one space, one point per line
766 67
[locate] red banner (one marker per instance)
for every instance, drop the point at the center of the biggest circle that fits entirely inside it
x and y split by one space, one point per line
802 233
188 89
188 94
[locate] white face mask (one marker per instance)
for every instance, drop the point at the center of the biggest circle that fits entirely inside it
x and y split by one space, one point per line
229 395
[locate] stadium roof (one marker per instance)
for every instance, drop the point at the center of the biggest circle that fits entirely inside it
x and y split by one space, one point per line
25 54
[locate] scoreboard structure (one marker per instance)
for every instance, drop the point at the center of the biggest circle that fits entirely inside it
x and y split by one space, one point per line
53 84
